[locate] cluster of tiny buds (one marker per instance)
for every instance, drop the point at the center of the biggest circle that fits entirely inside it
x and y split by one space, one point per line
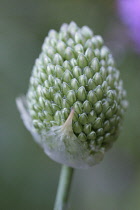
76 71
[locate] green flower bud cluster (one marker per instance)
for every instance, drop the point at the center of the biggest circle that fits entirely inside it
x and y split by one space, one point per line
76 71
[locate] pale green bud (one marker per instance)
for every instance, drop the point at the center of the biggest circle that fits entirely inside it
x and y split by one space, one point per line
65 88
109 113
67 65
81 94
75 84
59 70
58 99
79 49
46 60
50 52
63 36
82 61
89 54
98 107
97 53
104 86
73 62
100 132
91 84
72 28
99 92
57 116
97 123
52 33
88 72
89 44
48 106
65 103
87 107
51 80
52 92
104 52
71 96
92 116
106 125
57 59
78 107
99 40
110 80
67 76
77 127
97 78
87 128
82 137
70 43
50 69
61 46
55 107
77 72
57 84
76 102
78 38
64 27
92 135
65 113
103 72
69 53
83 80
83 119
95 65
86 32
106 106
92 97
110 61
37 124
48 116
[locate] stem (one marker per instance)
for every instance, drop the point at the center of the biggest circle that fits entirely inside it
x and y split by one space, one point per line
63 188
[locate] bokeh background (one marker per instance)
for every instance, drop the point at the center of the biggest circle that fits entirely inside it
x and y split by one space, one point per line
28 178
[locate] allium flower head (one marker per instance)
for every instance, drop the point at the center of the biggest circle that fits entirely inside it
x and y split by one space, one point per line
75 102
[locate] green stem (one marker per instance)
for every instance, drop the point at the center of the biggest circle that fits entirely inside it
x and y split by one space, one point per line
63 188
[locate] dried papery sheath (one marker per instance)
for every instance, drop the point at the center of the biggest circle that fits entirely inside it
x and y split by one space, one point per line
75 103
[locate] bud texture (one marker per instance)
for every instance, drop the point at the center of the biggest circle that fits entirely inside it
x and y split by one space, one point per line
75 103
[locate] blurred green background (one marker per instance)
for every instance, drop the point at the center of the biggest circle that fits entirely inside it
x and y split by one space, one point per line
28 178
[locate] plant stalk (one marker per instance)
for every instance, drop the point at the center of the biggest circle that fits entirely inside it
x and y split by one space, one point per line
62 195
